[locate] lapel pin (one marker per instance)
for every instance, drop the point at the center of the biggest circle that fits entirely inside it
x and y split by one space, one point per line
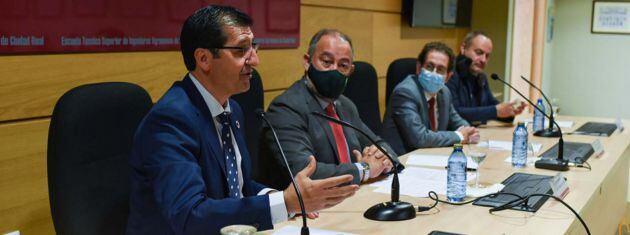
238 125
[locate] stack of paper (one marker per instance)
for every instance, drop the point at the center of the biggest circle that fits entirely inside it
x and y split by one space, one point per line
417 182
530 160
478 192
562 124
291 229
434 160
507 145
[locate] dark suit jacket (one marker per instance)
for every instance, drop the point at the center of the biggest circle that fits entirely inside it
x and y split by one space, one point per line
178 176
406 125
302 134
471 95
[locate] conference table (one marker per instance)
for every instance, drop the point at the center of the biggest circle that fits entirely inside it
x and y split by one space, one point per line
598 195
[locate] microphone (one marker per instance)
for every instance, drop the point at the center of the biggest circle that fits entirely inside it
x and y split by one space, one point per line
394 210
549 132
558 164
305 230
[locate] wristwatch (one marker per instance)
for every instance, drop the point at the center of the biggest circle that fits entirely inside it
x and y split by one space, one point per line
366 171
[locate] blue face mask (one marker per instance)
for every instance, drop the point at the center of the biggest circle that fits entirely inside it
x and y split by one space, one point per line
432 82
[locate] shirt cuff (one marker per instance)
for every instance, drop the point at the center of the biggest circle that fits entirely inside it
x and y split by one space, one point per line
461 137
278 209
361 170
266 191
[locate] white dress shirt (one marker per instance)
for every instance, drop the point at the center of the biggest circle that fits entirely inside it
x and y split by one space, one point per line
276 199
428 96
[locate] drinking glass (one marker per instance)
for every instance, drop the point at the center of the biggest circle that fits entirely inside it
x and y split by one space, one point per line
478 153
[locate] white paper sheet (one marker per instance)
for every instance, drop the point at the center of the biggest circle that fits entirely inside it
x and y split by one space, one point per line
507 145
478 192
530 160
433 160
292 230
417 182
562 124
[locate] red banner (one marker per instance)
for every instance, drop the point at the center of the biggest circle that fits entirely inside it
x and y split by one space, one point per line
57 26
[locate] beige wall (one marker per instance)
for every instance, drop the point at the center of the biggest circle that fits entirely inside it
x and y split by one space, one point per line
521 48
31 84
588 72
526 48
494 21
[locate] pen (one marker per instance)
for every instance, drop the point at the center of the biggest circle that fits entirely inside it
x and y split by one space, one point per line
467 168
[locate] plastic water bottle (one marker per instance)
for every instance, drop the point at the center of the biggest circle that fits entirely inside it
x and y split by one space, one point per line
519 146
456 176
539 118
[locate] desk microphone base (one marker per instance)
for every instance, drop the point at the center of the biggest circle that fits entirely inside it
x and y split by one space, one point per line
552 164
391 211
548 132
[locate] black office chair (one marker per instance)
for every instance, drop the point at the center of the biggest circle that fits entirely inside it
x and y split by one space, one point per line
89 142
362 89
251 101
396 72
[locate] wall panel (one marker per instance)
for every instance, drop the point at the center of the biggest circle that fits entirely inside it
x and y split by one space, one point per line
393 40
23 178
370 5
280 68
32 84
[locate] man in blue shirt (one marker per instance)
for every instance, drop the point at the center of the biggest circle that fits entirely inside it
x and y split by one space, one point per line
191 171
469 88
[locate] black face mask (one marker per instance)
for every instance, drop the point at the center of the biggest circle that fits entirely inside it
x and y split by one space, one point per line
463 67
329 84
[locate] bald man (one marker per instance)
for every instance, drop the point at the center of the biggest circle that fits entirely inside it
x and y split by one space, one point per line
469 88
338 150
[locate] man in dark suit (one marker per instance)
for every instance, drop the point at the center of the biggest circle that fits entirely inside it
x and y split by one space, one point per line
472 97
339 150
419 113
191 171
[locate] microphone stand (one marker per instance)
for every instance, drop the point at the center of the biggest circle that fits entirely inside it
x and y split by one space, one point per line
393 210
305 230
549 132
558 164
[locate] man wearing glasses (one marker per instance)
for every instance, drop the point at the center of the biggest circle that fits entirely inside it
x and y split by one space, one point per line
339 150
419 113
191 171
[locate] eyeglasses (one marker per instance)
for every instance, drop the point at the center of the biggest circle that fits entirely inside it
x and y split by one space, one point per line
439 69
246 50
344 67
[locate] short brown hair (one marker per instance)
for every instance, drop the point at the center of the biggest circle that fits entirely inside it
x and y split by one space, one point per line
439 47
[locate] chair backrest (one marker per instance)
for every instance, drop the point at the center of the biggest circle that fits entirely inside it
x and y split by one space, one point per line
250 101
89 142
396 72
362 89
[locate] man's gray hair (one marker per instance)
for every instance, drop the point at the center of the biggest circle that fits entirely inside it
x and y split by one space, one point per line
472 35
315 39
